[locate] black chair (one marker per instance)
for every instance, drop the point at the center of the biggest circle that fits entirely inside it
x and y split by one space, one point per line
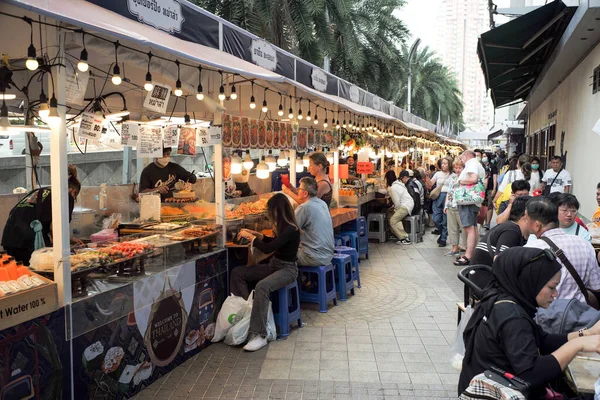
476 278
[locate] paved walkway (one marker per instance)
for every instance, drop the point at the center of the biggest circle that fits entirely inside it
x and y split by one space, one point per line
391 340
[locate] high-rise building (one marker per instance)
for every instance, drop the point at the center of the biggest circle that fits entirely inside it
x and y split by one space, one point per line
461 23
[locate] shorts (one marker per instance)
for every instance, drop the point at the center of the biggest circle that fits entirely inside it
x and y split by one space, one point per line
468 215
489 199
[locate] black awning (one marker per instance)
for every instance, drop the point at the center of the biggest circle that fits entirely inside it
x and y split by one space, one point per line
496 134
513 55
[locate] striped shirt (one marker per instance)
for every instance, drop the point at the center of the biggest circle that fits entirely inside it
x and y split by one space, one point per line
501 237
581 255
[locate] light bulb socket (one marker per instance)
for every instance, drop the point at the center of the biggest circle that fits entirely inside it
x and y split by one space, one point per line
84 55
31 51
222 89
148 77
178 84
187 119
116 70
53 102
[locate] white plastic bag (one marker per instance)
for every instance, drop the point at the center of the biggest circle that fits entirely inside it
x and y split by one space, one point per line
458 349
233 311
271 328
238 333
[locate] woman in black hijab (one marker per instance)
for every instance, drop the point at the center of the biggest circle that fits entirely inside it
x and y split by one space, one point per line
503 333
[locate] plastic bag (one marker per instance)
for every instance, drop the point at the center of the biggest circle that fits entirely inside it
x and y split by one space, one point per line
232 311
238 333
458 348
271 328
42 259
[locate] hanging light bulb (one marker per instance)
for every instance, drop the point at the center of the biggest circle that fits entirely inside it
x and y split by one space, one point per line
325 122
282 160
308 116
299 165
262 169
44 109
271 162
264 104
31 63
337 124
233 94
248 163
344 122
280 110
306 160
53 117
116 77
300 110
236 165
291 112
200 91
221 95
148 86
316 120
178 92
252 100
82 65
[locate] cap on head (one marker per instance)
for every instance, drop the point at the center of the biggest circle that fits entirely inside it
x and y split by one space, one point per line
405 173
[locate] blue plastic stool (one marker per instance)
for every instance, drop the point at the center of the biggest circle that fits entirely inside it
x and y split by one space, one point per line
343 275
363 246
359 225
353 238
354 258
286 308
338 241
323 287
344 238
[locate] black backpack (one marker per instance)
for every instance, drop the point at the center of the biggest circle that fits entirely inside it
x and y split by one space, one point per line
413 190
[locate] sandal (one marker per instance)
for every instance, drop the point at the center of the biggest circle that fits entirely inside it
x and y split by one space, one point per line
462 261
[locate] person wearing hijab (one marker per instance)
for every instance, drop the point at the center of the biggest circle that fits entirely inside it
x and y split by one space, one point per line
502 332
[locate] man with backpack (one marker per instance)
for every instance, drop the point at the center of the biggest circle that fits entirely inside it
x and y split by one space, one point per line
415 189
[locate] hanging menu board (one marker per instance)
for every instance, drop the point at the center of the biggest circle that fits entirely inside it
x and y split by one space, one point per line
171 136
150 141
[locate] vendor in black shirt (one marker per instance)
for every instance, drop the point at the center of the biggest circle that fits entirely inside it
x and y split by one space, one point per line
280 272
162 174
502 332
506 235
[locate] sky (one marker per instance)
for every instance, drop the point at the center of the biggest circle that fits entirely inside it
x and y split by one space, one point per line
420 16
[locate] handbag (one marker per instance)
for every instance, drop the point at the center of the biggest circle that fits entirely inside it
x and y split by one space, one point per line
591 296
547 189
495 383
470 194
435 192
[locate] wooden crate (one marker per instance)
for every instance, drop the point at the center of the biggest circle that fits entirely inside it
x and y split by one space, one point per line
28 304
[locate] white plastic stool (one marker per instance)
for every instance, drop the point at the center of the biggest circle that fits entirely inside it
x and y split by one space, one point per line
414 231
377 227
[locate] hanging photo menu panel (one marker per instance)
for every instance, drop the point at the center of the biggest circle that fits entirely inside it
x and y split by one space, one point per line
227 130
302 138
328 138
311 137
262 134
269 143
187 141
317 139
253 133
290 136
276 143
283 142
236 132
245 133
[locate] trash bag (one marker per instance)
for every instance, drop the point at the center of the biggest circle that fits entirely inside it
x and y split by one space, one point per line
238 333
458 348
271 328
232 311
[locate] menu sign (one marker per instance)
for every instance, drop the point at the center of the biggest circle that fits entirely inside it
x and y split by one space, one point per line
263 54
90 126
364 167
150 141
129 133
158 98
171 136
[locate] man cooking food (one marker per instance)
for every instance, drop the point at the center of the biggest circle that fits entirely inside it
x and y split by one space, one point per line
161 176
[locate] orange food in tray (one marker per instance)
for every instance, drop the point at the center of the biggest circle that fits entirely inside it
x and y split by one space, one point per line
168 210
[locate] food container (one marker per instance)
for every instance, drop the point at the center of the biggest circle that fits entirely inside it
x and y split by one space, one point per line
234 226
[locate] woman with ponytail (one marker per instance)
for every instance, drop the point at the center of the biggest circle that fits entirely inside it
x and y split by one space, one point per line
319 168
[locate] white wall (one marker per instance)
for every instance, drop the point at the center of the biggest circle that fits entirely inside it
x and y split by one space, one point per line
577 110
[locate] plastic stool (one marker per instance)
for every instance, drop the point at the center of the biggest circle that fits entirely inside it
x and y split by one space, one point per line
338 241
344 238
324 283
354 258
359 225
353 238
414 232
376 224
423 219
286 308
363 247
343 275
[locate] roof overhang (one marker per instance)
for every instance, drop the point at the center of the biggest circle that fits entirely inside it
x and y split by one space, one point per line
496 134
513 55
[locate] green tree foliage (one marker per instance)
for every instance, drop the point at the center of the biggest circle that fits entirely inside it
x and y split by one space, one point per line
363 40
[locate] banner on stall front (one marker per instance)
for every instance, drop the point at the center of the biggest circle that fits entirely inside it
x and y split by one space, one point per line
264 54
187 141
249 133
129 133
171 136
150 141
90 126
157 99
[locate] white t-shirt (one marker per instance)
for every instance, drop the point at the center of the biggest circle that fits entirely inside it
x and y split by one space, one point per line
472 167
563 179
440 178
509 178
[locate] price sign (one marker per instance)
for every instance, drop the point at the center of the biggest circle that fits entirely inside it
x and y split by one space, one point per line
364 167
150 141
171 136
203 137
158 98
214 135
129 133
90 126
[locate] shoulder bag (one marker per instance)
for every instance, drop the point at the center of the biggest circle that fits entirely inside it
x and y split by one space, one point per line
591 296
548 188
470 194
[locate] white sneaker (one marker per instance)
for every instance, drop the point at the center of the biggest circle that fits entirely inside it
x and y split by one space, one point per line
404 241
256 343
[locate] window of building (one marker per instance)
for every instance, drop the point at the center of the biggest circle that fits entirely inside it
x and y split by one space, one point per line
596 80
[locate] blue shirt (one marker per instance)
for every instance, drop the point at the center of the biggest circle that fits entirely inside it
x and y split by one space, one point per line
316 229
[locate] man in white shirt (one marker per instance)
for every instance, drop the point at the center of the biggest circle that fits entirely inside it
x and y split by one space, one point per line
470 175
557 177
542 220
403 204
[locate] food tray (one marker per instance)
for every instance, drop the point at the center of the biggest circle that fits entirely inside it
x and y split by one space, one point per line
78 278
166 227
